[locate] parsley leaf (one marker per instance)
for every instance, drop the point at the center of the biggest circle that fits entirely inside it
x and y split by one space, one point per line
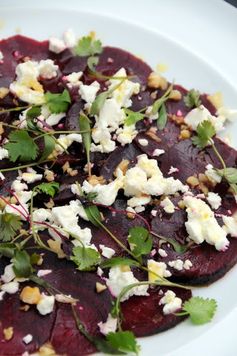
123 341
84 124
132 117
33 112
87 46
86 258
162 119
118 261
9 225
205 131
192 99
140 241
58 103
22 265
200 310
93 214
21 146
48 188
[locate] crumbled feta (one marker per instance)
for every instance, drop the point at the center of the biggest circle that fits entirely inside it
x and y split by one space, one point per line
109 326
157 152
2 295
162 252
27 339
126 134
111 115
171 302
2 176
227 113
200 114
48 117
46 304
73 79
69 38
10 288
154 213
230 225
139 209
3 153
177 264
9 274
88 92
1 56
212 174
31 176
41 215
47 69
173 170
118 279
103 137
214 200
64 141
106 251
136 202
187 264
43 272
156 270
56 45
143 142
17 186
168 206
21 211
202 225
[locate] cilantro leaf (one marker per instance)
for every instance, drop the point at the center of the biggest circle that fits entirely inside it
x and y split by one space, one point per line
22 265
205 131
92 62
9 225
192 99
99 102
123 341
230 174
87 46
86 258
93 214
58 103
118 261
162 119
21 146
140 241
48 188
84 124
33 112
49 145
7 249
200 310
132 117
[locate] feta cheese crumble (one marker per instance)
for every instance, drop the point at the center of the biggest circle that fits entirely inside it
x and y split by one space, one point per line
168 206
214 200
156 270
109 326
171 302
27 339
200 114
46 304
106 251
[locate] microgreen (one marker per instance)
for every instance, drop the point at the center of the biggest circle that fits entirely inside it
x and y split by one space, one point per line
59 102
9 225
84 124
162 118
140 241
21 146
48 188
123 341
22 264
205 131
86 258
230 175
192 99
87 46
93 214
200 310
99 102
92 63
7 249
33 112
158 103
132 117
49 146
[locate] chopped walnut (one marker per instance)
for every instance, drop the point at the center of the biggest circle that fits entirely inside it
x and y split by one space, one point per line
25 307
3 92
156 81
175 95
30 295
8 333
1 128
50 204
49 175
179 120
94 180
100 287
181 204
184 134
192 181
152 134
46 350
123 166
56 247
216 99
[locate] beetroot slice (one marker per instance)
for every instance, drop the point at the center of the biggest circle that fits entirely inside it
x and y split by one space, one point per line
144 316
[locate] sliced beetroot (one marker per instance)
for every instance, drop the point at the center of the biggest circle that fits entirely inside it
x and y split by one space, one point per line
72 119
144 316
23 323
75 64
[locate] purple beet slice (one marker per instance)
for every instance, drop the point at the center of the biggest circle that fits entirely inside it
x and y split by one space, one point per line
144 316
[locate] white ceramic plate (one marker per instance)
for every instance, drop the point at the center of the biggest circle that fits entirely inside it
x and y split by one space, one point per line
42 20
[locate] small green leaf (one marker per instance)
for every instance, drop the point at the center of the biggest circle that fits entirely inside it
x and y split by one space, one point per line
9 225
87 46
205 131
99 102
49 145
123 341
21 146
22 265
192 99
158 103
84 124
200 310
58 103
92 63
86 258
132 117
93 214
162 119
118 261
33 112
50 188
230 174
35 258
140 241
7 249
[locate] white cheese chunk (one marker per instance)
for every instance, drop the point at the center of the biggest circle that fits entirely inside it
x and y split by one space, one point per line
10 288
126 134
73 79
230 225
106 251
8 274
212 175
47 69
46 304
157 152
214 200
3 153
31 176
109 326
171 302
27 339
88 92
156 270
1 56
200 114
56 45
143 142
162 252
168 206
69 38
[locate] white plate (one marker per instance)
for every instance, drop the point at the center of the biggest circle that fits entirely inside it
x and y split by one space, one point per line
42 20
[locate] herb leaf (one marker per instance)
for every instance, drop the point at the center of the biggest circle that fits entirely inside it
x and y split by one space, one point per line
200 310
99 102
84 124
162 119
87 46
58 103
140 241
123 341
132 117
49 145
205 131
48 188
7 249
118 261
22 265
93 214
86 258
158 103
230 174
92 62
9 225
21 146
33 112
192 99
